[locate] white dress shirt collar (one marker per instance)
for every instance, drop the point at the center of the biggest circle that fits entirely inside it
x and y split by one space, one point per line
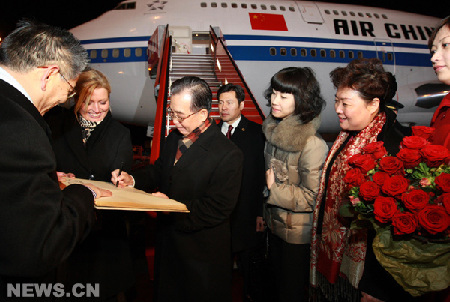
225 125
5 76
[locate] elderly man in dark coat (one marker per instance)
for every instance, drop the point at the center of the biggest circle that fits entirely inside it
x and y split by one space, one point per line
40 224
201 168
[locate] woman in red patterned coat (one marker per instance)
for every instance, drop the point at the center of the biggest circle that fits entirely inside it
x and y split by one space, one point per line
343 266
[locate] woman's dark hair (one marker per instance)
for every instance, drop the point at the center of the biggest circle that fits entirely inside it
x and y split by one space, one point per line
443 23
367 77
302 83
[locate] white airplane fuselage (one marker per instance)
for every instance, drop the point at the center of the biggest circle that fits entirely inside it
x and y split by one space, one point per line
262 37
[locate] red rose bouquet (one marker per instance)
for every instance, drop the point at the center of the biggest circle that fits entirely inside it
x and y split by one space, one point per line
407 199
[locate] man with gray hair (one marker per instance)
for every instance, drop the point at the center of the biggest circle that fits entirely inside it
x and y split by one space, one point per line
40 224
201 168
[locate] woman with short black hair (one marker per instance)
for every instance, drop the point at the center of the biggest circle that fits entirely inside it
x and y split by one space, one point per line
294 155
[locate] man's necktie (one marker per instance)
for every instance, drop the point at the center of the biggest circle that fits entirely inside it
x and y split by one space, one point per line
230 128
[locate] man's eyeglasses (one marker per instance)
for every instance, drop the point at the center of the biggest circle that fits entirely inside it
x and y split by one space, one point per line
72 91
174 116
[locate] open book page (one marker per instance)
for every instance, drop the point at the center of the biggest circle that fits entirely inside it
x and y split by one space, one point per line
129 199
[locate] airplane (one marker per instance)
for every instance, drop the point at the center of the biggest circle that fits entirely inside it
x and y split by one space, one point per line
262 38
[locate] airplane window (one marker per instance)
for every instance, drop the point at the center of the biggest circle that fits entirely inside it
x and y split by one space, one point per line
138 52
303 52
93 54
224 4
291 8
327 12
360 14
332 53
352 14
104 53
127 52
313 52
344 13
351 55
323 53
129 5
203 4
335 12
273 51
213 4
384 16
282 8
263 7
244 5
293 52
283 51
115 53
234 5
341 54
253 6
273 7
369 15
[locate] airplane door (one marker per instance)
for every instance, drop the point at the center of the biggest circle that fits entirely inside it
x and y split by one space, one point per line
181 39
310 12
386 53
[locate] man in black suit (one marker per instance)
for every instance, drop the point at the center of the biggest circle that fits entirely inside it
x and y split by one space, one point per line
247 225
40 224
202 169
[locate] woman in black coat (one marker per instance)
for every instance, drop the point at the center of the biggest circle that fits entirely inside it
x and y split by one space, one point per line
89 144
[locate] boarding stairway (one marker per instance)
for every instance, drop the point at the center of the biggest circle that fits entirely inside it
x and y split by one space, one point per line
216 68
201 66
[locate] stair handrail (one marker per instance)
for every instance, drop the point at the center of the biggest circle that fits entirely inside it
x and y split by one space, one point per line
218 41
161 102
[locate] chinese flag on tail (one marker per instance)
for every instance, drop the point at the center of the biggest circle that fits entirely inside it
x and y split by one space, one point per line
261 21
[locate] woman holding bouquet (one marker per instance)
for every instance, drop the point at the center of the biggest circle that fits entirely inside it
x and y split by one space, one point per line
343 266
439 45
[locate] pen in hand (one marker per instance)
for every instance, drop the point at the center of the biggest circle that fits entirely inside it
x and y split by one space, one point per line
118 174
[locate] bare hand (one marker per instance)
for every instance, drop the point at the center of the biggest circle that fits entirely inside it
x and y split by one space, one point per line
368 298
161 195
99 192
270 178
260 224
124 178
62 176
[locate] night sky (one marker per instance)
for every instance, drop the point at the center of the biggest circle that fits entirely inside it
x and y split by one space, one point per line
65 14
68 14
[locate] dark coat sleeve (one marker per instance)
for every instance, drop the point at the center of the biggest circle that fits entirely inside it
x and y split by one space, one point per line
39 223
219 197
207 179
250 139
